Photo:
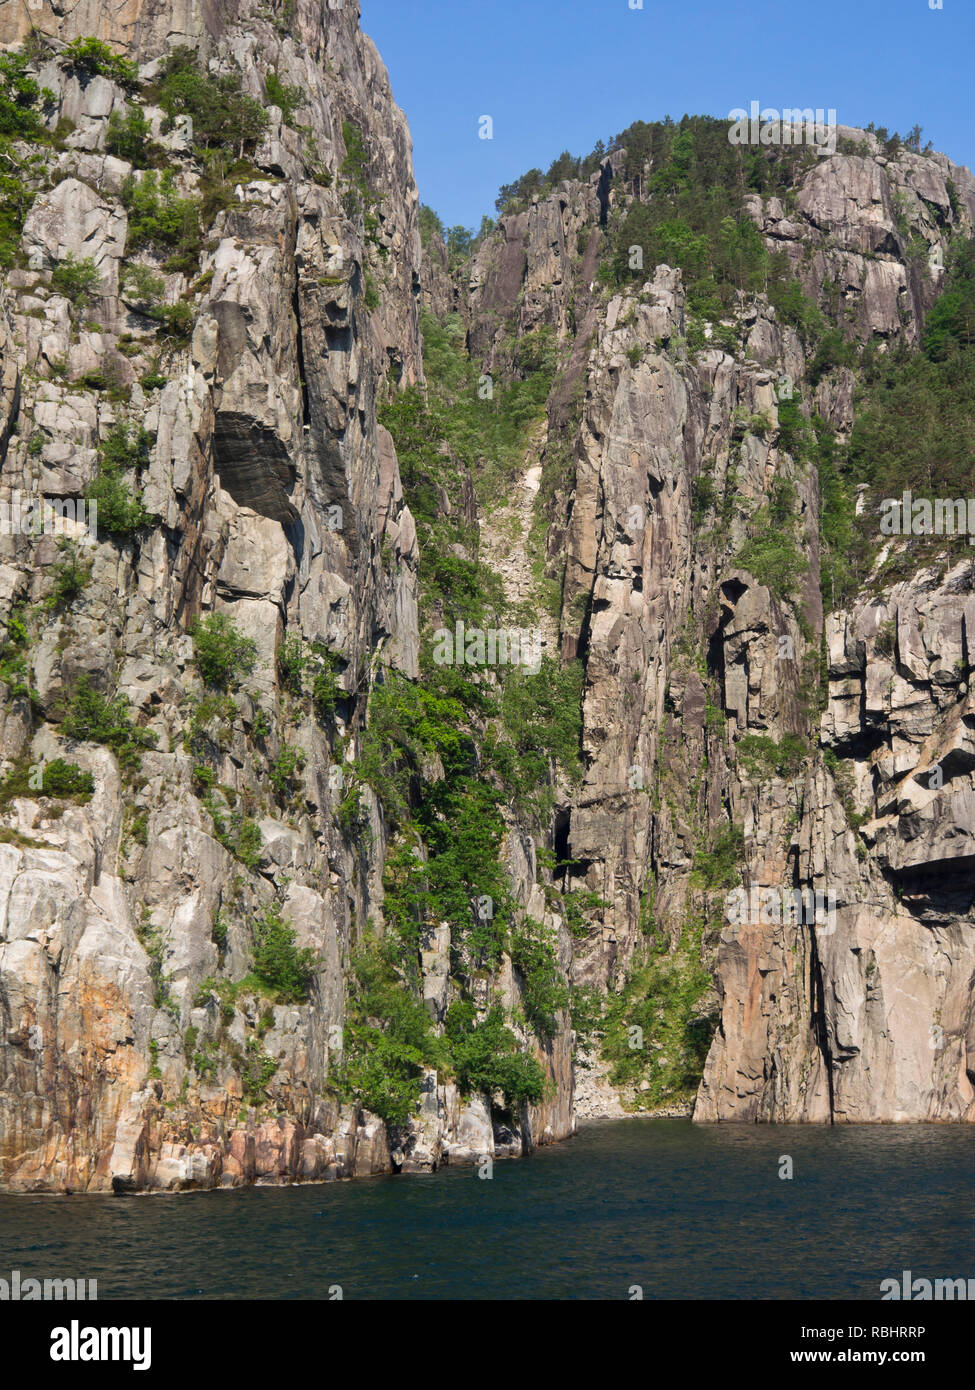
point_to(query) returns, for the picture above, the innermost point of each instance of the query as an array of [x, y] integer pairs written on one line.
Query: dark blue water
[[683, 1212]]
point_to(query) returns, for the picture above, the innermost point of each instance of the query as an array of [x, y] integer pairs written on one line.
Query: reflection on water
[[681, 1211]]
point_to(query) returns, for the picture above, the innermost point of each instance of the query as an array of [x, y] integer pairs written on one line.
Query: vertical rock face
[[132, 1053], [866, 1014], [273, 499]]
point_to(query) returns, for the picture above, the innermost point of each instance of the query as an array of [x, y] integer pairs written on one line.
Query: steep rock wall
[[274, 499]]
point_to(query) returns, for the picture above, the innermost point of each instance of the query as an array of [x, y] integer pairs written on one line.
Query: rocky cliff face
[[866, 1015], [274, 499], [133, 1053]]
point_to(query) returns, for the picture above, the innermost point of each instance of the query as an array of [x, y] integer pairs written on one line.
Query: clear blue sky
[[561, 74]]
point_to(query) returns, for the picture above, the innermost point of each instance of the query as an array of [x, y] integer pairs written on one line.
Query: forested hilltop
[[441, 626]]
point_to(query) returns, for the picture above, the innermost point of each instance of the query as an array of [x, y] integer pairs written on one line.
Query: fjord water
[[680, 1210]]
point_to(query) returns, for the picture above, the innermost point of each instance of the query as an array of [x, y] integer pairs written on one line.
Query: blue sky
[[560, 74]]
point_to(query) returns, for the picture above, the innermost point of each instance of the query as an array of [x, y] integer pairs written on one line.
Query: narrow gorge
[[301, 880]]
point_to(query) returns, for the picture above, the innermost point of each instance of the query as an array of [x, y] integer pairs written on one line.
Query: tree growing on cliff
[[91, 57], [222, 113], [282, 966], [224, 656]]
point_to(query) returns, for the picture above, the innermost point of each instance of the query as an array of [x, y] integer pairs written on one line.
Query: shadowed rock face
[[254, 467]]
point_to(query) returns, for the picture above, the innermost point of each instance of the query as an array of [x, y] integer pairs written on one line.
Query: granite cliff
[[285, 897]]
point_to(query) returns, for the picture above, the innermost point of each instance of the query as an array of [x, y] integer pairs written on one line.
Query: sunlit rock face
[[867, 1016], [275, 499]]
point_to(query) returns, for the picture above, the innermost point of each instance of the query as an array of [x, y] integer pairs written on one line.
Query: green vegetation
[[284, 771], [71, 574], [541, 728], [142, 285], [774, 560], [360, 198], [657, 1030], [128, 135], [91, 57], [224, 657], [21, 100], [63, 781], [430, 225], [239, 835], [844, 781], [67, 780], [292, 662], [77, 280], [282, 967], [460, 242], [90, 717], [355, 165], [135, 826], [457, 818], [14, 666], [227, 123], [389, 1036], [218, 932], [485, 1056], [833, 350], [120, 510], [913, 427], [544, 992], [224, 116], [160, 219], [577, 904], [211, 725], [690, 213], [762, 758], [771, 554], [279, 94], [513, 197], [20, 97], [950, 325], [390, 1039], [408, 725], [446, 753], [257, 1070], [718, 867], [487, 433]]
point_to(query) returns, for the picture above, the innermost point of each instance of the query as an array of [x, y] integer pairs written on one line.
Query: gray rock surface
[[276, 499]]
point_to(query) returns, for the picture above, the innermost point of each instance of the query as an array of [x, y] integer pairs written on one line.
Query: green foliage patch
[[91, 57], [224, 656], [58, 779], [282, 967], [91, 717]]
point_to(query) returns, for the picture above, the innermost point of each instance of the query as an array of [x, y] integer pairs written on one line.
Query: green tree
[[20, 96], [486, 1057], [91, 717], [223, 655], [223, 114], [77, 280], [159, 217], [90, 56], [128, 135], [282, 967], [289, 99]]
